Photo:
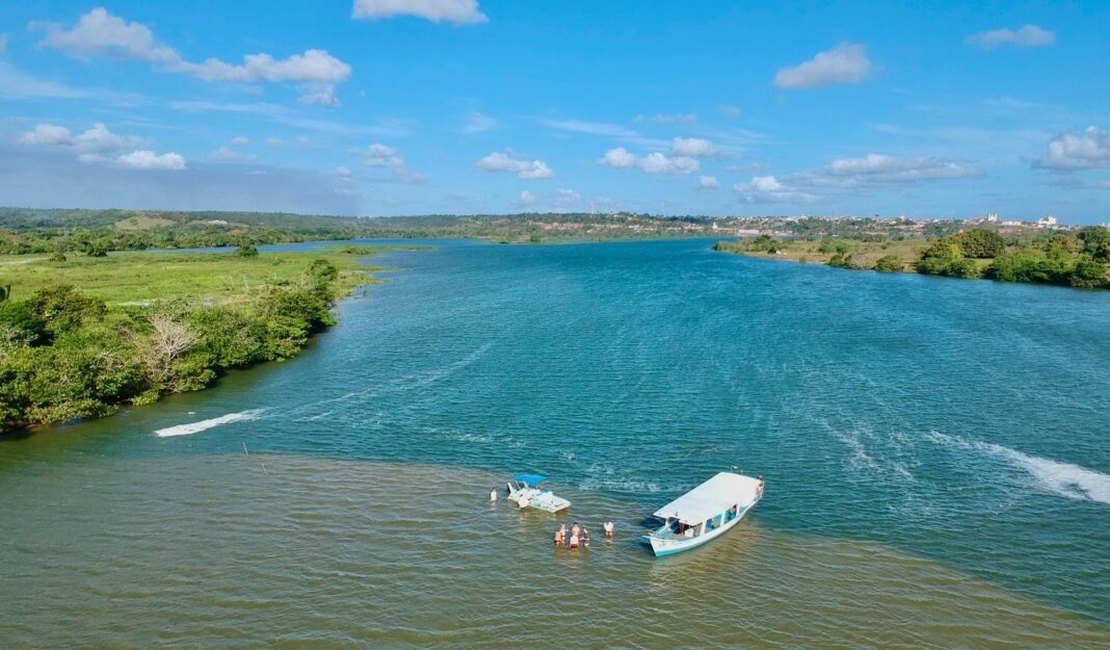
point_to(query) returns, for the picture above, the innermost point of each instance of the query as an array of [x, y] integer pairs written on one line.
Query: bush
[[1089, 274], [981, 243], [246, 250], [844, 260], [889, 264]]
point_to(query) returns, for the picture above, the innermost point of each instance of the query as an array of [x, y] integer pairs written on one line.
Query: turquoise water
[[935, 450]]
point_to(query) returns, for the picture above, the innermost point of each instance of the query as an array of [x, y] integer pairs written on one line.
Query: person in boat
[[759, 487], [608, 528]]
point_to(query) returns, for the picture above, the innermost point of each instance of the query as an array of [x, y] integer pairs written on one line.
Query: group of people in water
[[579, 535]]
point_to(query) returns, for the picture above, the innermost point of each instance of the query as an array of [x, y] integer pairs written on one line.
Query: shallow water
[[938, 473]]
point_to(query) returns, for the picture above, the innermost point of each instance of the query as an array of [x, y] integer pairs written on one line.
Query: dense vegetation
[[1077, 260], [67, 353], [1072, 258], [98, 232]]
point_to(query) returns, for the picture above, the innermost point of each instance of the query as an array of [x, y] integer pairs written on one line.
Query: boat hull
[[670, 545]]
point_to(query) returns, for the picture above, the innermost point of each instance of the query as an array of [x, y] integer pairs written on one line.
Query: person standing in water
[[608, 527], [493, 495]]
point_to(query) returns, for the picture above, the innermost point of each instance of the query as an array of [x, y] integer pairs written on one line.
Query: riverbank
[[865, 254], [85, 337], [1080, 259]]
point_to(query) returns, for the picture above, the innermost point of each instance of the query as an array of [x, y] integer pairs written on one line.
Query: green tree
[[64, 308], [889, 264], [1089, 274], [981, 243], [246, 250]]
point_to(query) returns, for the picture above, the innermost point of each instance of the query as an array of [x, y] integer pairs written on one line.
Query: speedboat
[[524, 491], [704, 513]]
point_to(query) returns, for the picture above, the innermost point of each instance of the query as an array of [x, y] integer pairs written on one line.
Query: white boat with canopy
[[704, 513], [524, 491]]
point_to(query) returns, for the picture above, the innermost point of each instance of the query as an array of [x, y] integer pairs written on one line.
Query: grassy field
[[865, 254], [139, 278]]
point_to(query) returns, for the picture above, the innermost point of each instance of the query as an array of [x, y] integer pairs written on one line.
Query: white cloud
[[379, 155], [1024, 36], [99, 138], [240, 141], [527, 198], [655, 162], [658, 163], [299, 142], [879, 168], [143, 159], [662, 118], [478, 123], [230, 155], [100, 34], [46, 135], [452, 11], [566, 198], [407, 176], [845, 64], [312, 66], [96, 139], [692, 147], [730, 111], [1069, 151], [539, 169], [341, 172], [619, 157], [506, 162], [323, 95], [768, 189], [590, 128], [708, 182]]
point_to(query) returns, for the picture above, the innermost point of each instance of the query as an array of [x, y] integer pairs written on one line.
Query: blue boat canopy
[[530, 479]]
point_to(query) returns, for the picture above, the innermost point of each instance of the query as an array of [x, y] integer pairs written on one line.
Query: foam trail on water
[[1063, 479], [196, 427]]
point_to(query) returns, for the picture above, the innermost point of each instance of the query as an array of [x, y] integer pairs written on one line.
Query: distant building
[[1046, 222]]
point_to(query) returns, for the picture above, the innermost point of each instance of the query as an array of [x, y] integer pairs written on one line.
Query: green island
[[1075, 257], [82, 336]]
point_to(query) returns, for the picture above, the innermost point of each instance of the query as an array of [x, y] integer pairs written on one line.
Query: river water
[[936, 454]]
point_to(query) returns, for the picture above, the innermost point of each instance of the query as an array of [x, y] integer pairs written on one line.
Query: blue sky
[[387, 107]]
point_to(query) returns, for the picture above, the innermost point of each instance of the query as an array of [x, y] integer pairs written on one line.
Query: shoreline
[[150, 326]]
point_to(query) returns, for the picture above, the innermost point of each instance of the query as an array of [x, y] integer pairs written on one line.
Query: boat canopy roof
[[530, 479], [711, 498]]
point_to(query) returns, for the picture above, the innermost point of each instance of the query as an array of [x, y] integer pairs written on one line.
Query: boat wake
[[197, 427], [1062, 479]]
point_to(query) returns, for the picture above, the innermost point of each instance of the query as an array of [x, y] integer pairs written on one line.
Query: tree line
[[1077, 260]]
